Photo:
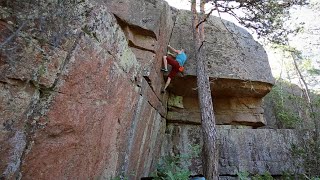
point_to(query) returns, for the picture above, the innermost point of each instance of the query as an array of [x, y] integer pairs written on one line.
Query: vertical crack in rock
[[174, 24], [67, 60], [41, 101]]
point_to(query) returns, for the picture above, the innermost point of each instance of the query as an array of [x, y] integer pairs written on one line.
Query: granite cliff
[[88, 105]]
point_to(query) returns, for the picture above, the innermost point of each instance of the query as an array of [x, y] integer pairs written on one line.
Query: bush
[[286, 107], [176, 167]]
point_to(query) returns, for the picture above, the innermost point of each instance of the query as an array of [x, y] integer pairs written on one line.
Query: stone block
[[253, 150]]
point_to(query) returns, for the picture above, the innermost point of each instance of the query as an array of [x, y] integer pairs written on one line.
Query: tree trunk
[[315, 120], [206, 107]]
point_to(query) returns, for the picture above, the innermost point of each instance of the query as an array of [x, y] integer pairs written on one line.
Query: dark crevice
[[174, 24], [183, 122], [14, 81], [150, 85], [228, 175], [148, 81], [114, 56], [45, 92], [67, 60], [156, 109], [134, 28], [131, 44], [254, 125]]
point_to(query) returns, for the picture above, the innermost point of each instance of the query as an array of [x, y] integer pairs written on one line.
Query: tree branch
[[205, 19]]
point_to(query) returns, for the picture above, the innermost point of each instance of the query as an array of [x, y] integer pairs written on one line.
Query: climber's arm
[[174, 50]]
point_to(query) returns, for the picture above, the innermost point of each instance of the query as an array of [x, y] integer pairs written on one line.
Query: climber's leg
[[165, 63], [167, 84]]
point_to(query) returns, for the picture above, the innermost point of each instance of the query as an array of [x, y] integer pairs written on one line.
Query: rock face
[[84, 102], [96, 111], [254, 151]]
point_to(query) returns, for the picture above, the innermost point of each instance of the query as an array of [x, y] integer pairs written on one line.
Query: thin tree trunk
[[307, 93], [206, 106], [202, 15], [315, 120]]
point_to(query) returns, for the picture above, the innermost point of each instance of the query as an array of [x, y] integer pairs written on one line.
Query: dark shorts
[[175, 66]]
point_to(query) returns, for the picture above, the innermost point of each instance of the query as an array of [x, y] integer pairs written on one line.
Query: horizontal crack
[[183, 122], [131, 44]]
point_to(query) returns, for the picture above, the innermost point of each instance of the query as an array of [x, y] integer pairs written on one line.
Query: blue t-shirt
[[181, 58]]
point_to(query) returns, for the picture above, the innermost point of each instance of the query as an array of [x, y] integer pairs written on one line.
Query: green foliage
[[287, 118], [265, 176], [313, 71], [317, 101], [176, 167], [243, 175], [195, 151], [265, 17], [288, 176], [297, 151], [306, 154], [292, 108], [120, 178], [282, 99], [292, 176], [170, 168]]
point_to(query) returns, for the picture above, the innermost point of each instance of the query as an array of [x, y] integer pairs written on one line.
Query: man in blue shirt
[[177, 64]]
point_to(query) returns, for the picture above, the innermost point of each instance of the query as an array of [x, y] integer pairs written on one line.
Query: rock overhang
[[220, 87]]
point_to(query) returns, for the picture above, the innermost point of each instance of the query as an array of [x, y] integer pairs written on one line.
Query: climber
[[177, 64]]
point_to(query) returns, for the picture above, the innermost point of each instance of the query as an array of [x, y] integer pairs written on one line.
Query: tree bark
[[209, 160]]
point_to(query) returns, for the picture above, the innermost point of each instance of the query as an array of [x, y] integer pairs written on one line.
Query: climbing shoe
[[164, 70], [163, 90]]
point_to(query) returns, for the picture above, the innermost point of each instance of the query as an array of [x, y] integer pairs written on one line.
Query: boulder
[[230, 52], [238, 68]]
